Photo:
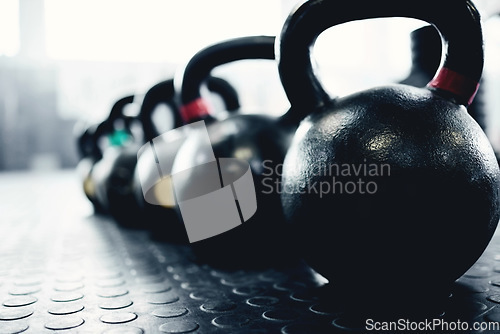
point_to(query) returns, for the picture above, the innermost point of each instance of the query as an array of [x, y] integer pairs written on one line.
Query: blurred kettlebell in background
[[113, 173], [256, 138], [159, 208], [89, 144], [395, 186], [89, 153], [161, 93]]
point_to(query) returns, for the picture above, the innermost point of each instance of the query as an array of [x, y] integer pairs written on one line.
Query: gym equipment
[[399, 172], [258, 139], [157, 204]]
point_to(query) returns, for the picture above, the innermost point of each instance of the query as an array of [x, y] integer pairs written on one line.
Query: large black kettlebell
[[393, 192], [158, 211], [259, 139]]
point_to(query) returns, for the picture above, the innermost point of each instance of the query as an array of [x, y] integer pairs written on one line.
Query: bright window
[[9, 27], [151, 30]]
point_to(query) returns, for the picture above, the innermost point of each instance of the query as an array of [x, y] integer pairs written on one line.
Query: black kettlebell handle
[[87, 147], [203, 62], [164, 92], [101, 130], [107, 126], [118, 107], [225, 90], [458, 22]]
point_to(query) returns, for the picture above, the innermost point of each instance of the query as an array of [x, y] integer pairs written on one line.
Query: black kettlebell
[[89, 153], [392, 192], [91, 144], [259, 139], [159, 211], [112, 174], [426, 56]]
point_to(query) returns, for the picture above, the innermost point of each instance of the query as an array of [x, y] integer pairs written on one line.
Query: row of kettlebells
[[112, 180], [433, 204]]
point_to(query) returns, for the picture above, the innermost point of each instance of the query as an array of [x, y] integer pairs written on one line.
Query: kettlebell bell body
[[396, 186], [116, 169]]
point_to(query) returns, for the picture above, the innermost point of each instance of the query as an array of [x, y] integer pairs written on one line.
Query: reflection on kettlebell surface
[[164, 192]]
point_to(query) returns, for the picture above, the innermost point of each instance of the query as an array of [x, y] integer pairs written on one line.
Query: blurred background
[[64, 62]]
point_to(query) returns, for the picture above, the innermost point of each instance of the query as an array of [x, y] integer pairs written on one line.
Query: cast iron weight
[[89, 153], [89, 146], [260, 139], [162, 220], [112, 174], [434, 211]]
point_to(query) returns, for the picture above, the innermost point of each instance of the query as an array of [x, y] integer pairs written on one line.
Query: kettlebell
[[163, 221], [392, 192], [426, 56], [112, 174], [89, 153], [256, 138], [90, 144]]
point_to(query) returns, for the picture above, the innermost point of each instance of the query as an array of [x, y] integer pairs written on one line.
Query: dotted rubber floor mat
[[64, 270]]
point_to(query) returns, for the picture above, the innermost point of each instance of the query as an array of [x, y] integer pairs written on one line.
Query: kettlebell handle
[[87, 147], [197, 70], [117, 109], [225, 90], [458, 22], [163, 92], [107, 126]]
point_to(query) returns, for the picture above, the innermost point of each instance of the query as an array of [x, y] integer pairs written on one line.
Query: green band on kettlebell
[[119, 137]]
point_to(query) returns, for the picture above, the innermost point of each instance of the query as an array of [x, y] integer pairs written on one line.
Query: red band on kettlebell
[[195, 109], [455, 83]]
